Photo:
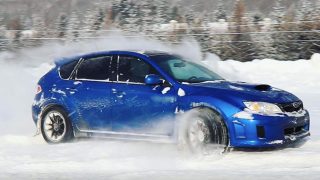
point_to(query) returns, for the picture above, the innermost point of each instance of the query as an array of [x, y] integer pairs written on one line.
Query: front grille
[[293, 130], [291, 107]]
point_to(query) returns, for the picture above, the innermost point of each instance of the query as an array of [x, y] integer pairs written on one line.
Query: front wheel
[[56, 126], [205, 132]]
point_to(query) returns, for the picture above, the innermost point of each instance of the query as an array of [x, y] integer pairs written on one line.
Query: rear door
[[137, 107], [91, 93]]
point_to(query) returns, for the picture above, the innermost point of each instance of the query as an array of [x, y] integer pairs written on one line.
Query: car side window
[[95, 68], [66, 69], [132, 69]]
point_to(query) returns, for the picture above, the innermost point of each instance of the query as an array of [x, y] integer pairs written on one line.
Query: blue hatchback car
[[161, 96]]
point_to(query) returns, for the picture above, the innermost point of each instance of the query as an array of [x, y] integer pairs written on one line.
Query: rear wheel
[[205, 132], [56, 126]]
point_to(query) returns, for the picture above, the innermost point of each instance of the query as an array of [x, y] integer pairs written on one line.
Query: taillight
[[39, 89]]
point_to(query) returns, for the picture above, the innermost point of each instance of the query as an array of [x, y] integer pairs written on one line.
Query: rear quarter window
[[96, 68], [66, 69]]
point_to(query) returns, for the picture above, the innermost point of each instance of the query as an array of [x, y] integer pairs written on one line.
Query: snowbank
[[294, 76]]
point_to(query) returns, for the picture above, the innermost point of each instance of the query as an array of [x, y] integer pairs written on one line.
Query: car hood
[[244, 91]]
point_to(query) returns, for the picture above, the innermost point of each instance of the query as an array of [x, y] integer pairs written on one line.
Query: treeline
[[287, 33]]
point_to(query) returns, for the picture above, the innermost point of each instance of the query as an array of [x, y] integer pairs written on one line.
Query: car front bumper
[[269, 131]]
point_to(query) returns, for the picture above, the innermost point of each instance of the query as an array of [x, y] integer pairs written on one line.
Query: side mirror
[[153, 79]]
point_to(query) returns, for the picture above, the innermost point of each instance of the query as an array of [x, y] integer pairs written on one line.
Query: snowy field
[[23, 156]]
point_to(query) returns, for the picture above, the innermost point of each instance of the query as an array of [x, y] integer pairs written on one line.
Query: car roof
[[65, 60]]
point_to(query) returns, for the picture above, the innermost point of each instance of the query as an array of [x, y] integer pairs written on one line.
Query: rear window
[[66, 69]]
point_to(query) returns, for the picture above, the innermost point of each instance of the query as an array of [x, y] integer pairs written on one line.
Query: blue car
[[158, 96]]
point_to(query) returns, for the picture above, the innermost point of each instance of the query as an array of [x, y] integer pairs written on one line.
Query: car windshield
[[185, 71]]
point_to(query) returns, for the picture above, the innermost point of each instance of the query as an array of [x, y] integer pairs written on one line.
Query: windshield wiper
[[213, 81], [205, 81]]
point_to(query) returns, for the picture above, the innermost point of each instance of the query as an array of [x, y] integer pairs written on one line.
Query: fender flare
[[215, 110]]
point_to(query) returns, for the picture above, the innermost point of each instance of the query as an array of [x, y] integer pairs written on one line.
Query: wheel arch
[[47, 107], [216, 111], [223, 108]]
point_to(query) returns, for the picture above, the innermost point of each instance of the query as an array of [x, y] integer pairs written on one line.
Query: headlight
[[263, 108]]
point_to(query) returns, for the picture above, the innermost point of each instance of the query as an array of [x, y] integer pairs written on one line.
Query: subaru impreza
[[159, 96]]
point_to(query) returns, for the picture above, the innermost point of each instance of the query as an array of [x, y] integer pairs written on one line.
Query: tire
[[205, 132], [55, 126]]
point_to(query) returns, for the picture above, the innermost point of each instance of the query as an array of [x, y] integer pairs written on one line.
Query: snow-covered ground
[[23, 156]]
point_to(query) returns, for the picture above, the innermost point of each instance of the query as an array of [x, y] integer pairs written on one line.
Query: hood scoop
[[262, 87]]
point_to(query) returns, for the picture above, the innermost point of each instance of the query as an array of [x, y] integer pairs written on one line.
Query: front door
[[137, 107]]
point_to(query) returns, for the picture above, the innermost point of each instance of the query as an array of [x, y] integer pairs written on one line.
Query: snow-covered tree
[[87, 25], [14, 33], [97, 21], [174, 13], [307, 16], [220, 39], [278, 11], [147, 13], [99, 17], [123, 11], [220, 12], [202, 35], [26, 22], [115, 10], [243, 49], [3, 41], [61, 25], [206, 18], [264, 41], [132, 19], [315, 45], [190, 16], [38, 31], [108, 19], [73, 27], [304, 11], [38, 25], [162, 11], [285, 38]]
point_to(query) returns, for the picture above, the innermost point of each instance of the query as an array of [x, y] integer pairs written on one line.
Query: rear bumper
[[269, 131]]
